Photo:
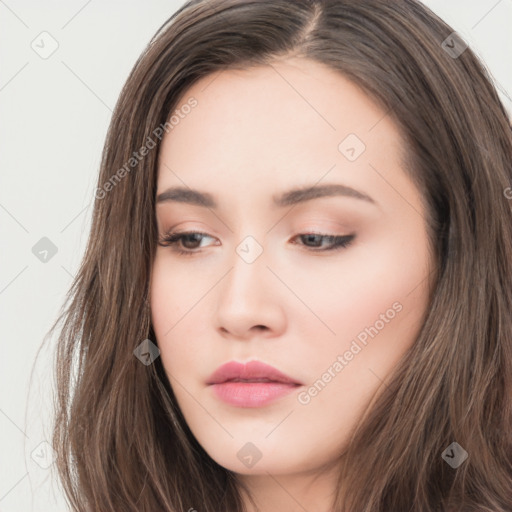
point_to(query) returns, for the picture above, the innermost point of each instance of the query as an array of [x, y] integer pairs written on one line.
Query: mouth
[[254, 384]]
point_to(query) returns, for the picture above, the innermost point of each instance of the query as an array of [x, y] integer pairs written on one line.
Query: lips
[[253, 371], [254, 384]]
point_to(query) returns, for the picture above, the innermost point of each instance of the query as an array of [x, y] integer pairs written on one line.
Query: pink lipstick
[[254, 384]]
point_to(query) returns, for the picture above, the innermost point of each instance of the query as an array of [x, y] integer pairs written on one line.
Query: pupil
[[313, 238], [191, 237]]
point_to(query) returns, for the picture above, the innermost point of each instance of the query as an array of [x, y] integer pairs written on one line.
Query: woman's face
[[260, 283]]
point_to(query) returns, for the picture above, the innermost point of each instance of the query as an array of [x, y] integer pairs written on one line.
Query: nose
[[250, 301]]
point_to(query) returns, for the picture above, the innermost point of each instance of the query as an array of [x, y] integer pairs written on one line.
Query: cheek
[[163, 303], [351, 293], [174, 294], [376, 310], [168, 302], [177, 308], [375, 301]]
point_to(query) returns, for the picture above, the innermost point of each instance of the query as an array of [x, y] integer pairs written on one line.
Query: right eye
[[187, 239]]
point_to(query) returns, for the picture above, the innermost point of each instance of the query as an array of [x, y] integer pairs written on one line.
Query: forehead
[[280, 124]]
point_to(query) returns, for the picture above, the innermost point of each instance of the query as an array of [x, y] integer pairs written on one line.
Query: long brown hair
[[121, 440]]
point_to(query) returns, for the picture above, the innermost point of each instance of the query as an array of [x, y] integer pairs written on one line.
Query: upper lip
[[251, 371]]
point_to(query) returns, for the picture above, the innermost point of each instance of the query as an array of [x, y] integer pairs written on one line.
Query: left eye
[[333, 241], [189, 240]]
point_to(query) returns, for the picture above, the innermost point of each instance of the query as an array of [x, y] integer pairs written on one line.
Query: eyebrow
[[289, 198]]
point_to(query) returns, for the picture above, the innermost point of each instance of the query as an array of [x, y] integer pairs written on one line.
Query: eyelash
[[172, 240]]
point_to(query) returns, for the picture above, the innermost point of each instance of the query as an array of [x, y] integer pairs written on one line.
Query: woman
[[296, 292]]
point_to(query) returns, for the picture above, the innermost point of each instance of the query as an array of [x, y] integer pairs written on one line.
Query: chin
[[260, 457]]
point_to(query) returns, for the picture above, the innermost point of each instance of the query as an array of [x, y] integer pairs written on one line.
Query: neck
[[300, 492]]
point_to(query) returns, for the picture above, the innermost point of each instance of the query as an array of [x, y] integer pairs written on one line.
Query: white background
[[53, 120]]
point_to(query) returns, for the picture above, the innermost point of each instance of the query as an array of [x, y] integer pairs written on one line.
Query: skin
[[254, 134]]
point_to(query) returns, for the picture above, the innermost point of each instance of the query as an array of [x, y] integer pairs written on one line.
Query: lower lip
[[252, 394]]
